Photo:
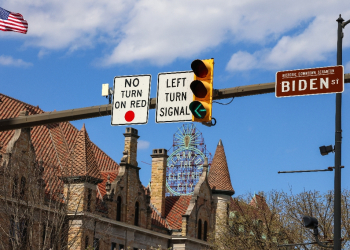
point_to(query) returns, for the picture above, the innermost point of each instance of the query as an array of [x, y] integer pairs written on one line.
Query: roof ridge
[[86, 165], [159, 214], [155, 210], [89, 148], [103, 153], [64, 138], [1, 94], [71, 151], [54, 146]]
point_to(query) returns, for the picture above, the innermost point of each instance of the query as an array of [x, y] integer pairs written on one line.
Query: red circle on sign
[[129, 116]]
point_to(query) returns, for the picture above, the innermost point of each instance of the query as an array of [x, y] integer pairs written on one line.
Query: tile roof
[[219, 176], [255, 209], [258, 201], [102, 185], [157, 219], [175, 207], [52, 143], [81, 160]]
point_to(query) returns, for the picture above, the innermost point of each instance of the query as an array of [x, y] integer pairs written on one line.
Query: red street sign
[[314, 81]]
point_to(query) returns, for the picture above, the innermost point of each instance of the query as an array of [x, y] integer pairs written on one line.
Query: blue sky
[[72, 48]]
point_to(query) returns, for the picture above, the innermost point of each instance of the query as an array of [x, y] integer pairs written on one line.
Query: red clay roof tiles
[[157, 220], [52, 143], [81, 160], [102, 185], [175, 207], [219, 176], [61, 143]]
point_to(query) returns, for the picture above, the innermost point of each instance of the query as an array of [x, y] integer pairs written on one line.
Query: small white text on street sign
[[324, 80]]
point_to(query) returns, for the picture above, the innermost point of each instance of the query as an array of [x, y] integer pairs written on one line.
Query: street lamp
[[312, 223]]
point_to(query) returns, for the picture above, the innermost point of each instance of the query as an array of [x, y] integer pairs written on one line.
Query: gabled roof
[[255, 209], [81, 160], [258, 201], [219, 176], [102, 186], [157, 219], [175, 207], [52, 143]]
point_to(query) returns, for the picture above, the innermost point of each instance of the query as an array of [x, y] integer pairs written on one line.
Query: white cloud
[[42, 53], [347, 68], [241, 61], [9, 61], [143, 144], [160, 31], [316, 43]]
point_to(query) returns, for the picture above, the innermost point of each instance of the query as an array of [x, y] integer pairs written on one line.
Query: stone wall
[[128, 186], [220, 211], [158, 181], [131, 136], [200, 208], [77, 195]]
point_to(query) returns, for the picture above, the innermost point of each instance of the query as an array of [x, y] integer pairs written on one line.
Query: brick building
[[107, 205]]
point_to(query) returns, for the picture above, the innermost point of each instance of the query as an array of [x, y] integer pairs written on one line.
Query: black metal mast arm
[[345, 23]]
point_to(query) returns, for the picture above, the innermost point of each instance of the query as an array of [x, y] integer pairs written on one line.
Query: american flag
[[10, 21]]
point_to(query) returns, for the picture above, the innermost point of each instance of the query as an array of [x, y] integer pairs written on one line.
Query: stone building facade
[[107, 205]]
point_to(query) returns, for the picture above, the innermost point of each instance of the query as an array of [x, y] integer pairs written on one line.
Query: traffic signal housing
[[310, 222], [202, 89]]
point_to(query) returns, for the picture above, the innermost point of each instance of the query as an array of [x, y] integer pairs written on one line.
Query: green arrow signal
[[198, 109], [201, 110]]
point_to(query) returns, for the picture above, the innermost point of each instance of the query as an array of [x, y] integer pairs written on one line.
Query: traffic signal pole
[[105, 110], [338, 141], [337, 153]]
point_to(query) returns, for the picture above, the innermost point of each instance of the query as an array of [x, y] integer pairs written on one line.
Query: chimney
[[158, 181], [131, 145]]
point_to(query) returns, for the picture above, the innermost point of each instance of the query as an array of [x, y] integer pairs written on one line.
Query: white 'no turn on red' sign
[[131, 99]]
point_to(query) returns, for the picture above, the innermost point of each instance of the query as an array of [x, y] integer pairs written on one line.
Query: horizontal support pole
[[104, 110], [306, 171], [303, 244]]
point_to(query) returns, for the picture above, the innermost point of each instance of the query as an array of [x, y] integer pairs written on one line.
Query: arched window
[[199, 229], [15, 187], [23, 187], [137, 208], [205, 231], [119, 208]]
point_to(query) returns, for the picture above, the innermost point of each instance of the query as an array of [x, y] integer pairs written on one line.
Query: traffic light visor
[[198, 89], [199, 68]]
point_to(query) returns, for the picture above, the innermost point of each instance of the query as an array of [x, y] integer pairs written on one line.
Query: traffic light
[[202, 89], [310, 222]]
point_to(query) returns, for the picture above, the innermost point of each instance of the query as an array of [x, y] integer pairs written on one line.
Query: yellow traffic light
[[202, 88]]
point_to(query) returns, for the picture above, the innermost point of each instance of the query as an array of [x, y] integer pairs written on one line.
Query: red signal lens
[[198, 89], [199, 68]]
